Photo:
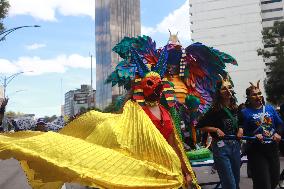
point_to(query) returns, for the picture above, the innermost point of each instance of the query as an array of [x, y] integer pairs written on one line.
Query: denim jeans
[[227, 159]]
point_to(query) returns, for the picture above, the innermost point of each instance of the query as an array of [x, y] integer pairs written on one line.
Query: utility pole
[[92, 73], [7, 80], [91, 94]]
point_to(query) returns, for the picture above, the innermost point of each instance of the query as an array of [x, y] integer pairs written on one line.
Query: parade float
[[192, 72]]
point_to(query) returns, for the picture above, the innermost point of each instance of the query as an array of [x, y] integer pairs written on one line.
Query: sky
[[55, 57]]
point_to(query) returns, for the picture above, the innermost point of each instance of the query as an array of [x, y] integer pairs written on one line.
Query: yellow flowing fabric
[[99, 150]]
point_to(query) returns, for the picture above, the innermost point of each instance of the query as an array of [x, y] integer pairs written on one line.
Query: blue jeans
[[227, 159]]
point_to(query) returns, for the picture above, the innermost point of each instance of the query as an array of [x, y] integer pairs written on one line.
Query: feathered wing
[[131, 50], [98, 150], [123, 74], [161, 65], [203, 66]]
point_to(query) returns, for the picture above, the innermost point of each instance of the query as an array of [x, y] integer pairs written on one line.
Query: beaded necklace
[[234, 120]]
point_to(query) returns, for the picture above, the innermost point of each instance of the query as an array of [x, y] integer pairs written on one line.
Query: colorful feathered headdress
[[150, 83], [143, 68]]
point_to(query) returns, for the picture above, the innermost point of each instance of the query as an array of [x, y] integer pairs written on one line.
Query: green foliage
[[13, 114], [49, 119], [273, 54], [4, 7], [111, 108], [83, 110], [94, 108]]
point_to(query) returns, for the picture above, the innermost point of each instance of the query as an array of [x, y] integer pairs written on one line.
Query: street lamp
[[7, 80], [13, 93], [92, 93], [7, 32]]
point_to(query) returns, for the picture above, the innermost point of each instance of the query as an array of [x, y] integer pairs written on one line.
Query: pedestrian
[[261, 121], [221, 120], [281, 146], [152, 91], [3, 105], [40, 125]]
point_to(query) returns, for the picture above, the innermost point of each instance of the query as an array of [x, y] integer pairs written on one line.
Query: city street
[[204, 176], [12, 176]]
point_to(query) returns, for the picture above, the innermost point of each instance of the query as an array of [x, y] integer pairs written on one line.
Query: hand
[[276, 137], [220, 133], [259, 137], [266, 133], [187, 180], [240, 133]]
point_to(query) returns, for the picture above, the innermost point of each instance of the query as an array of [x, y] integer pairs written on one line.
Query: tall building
[[114, 20], [78, 100], [235, 27]]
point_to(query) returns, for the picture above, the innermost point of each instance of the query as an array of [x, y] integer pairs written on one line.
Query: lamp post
[[7, 32], [90, 103], [15, 92], [7, 80]]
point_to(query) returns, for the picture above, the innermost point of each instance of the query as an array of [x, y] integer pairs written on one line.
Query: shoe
[[281, 184]]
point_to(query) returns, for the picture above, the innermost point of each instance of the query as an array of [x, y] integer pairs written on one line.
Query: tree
[[273, 55], [111, 108], [82, 110], [14, 114], [49, 119], [4, 7]]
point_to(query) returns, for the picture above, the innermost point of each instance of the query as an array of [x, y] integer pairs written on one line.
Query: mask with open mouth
[[149, 84], [254, 94], [226, 86]]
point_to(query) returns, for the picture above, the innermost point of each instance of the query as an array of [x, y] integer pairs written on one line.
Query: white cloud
[[40, 66], [176, 21], [46, 9], [7, 67], [148, 30], [35, 46]]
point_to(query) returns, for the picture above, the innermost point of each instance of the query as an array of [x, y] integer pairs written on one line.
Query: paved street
[[12, 176], [204, 176]]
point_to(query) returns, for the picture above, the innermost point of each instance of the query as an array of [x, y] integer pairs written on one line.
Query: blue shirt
[[252, 124]]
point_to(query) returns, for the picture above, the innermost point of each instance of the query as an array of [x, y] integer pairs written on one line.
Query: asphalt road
[[204, 175], [13, 177]]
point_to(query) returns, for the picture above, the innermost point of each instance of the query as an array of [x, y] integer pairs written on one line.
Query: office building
[[114, 20], [78, 100], [235, 27]]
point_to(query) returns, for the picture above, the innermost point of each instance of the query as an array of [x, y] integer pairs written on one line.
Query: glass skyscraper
[[114, 20]]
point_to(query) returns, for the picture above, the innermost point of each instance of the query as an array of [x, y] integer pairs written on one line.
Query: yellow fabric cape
[[99, 150]]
